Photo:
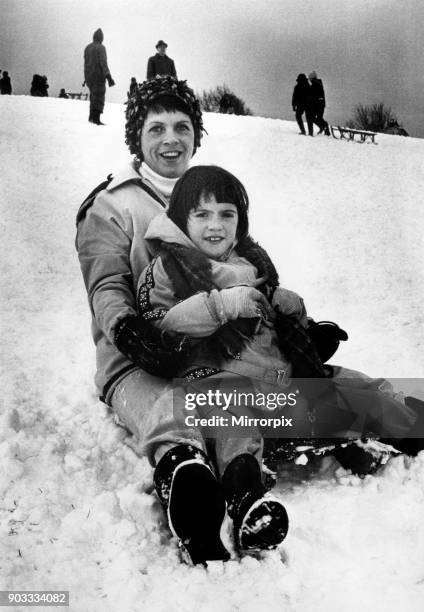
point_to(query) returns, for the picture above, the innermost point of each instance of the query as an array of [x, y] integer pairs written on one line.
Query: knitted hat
[[312, 75], [149, 92], [98, 35], [161, 43]]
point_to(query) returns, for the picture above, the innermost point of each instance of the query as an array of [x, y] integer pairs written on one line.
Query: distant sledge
[[352, 134]]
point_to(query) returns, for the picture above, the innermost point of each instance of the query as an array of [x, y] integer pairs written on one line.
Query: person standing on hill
[[302, 103], [160, 64], [318, 98], [96, 73], [5, 84]]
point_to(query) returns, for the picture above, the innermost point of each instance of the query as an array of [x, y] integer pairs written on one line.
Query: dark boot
[[96, 117], [90, 117], [194, 502], [411, 446], [260, 521]]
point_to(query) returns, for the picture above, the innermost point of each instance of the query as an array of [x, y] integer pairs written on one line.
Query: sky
[[365, 51]]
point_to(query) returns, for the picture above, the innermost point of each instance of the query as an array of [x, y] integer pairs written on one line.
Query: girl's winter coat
[[202, 314]]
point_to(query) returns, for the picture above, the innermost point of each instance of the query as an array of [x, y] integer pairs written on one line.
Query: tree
[[222, 100], [374, 117]]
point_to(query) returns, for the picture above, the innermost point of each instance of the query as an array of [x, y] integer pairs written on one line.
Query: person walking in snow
[[96, 73], [302, 102], [5, 84], [160, 64], [318, 102]]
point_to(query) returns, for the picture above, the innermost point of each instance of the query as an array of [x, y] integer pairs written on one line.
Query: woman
[[163, 130]]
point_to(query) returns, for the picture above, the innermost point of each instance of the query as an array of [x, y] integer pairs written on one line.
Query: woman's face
[[212, 226], [167, 142]]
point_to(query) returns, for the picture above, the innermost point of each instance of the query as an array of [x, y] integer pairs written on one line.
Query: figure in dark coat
[[318, 97], [302, 103], [63, 94], [133, 86], [96, 73], [5, 84], [39, 86], [160, 64]]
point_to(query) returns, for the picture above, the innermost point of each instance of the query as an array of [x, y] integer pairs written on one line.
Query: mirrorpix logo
[[234, 405]]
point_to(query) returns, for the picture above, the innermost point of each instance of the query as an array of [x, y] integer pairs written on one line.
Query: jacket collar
[[128, 174]]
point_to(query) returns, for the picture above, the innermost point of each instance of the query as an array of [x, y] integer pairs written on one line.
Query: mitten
[[110, 81], [244, 302], [326, 337], [159, 352]]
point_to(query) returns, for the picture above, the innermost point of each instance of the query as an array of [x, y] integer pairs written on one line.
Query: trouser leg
[[310, 122], [146, 406], [299, 120]]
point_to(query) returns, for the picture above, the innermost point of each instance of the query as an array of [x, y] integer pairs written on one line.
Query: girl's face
[[212, 226], [167, 142]]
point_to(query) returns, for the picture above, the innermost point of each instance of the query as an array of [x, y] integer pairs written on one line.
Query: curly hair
[[161, 93]]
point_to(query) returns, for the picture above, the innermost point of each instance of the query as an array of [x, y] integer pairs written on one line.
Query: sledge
[[78, 96], [347, 133], [360, 456]]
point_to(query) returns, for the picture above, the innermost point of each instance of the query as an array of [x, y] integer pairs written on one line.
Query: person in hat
[[318, 102], [96, 73], [160, 64]]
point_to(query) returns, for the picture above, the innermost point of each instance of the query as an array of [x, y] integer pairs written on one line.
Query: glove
[[110, 81], [326, 337], [159, 352], [244, 302], [83, 85], [288, 302]]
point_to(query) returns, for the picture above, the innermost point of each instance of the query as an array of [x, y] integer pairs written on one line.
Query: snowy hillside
[[344, 222]]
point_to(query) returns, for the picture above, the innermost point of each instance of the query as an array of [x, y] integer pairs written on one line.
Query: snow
[[344, 223]]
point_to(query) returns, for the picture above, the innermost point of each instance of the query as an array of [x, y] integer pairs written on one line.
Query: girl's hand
[[245, 302]]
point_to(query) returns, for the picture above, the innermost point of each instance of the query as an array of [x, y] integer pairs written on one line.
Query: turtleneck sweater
[[163, 184]]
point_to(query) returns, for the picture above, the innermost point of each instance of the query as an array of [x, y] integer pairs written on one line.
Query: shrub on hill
[[374, 117], [222, 100]]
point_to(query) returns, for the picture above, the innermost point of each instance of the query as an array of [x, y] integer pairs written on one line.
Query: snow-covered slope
[[343, 221]]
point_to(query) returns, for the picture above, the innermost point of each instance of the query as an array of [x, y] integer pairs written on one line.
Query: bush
[[374, 117], [223, 100]]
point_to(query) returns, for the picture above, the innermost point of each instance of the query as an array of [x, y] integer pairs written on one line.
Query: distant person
[[63, 94], [395, 129], [96, 73], [160, 64], [302, 102], [5, 84], [133, 86], [318, 97], [39, 86]]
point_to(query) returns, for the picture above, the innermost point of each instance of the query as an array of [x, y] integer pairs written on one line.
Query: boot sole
[[264, 526], [196, 511]]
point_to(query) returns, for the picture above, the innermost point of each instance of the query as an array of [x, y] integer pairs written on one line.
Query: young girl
[[211, 282]]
